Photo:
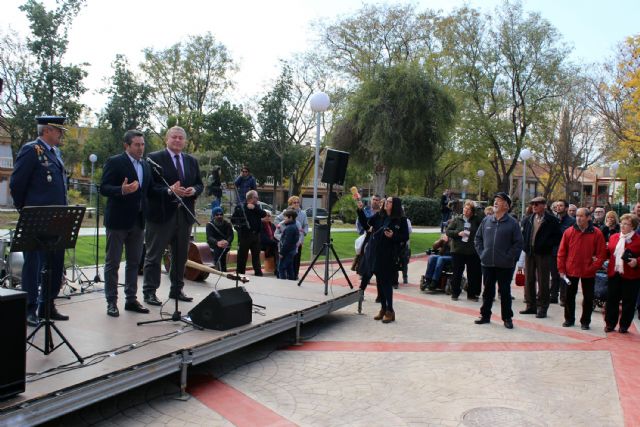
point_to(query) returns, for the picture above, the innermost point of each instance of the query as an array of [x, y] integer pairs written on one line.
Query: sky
[[259, 33]]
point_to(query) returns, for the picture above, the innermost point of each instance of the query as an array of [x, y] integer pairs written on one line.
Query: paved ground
[[432, 367]]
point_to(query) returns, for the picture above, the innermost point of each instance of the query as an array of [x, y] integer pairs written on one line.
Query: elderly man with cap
[[541, 232], [498, 241], [39, 179]]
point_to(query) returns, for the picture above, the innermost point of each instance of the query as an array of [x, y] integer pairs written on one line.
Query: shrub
[[345, 209], [422, 211]]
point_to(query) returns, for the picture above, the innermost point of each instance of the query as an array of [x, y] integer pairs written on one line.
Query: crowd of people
[[555, 247]]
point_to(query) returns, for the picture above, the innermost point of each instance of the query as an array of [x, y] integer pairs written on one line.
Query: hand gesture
[[633, 262], [128, 187]]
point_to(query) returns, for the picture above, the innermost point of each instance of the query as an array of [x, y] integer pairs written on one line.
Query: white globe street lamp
[[637, 186], [93, 159], [614, 168], [480, 174], [524, 155], [319, 103]]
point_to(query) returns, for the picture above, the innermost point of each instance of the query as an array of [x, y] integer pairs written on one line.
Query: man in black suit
[[168, 222], [125, 181]]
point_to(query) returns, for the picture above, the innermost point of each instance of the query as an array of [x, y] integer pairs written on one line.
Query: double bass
[[199, 253]]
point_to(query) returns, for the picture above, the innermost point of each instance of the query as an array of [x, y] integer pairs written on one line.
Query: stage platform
[[120, 355]]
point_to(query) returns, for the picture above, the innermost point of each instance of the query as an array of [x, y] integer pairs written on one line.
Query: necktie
[[179, 168]]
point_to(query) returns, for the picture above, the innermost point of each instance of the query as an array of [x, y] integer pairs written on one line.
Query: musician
[[219, 238], [168, 222], [39, 179], [126, 179]]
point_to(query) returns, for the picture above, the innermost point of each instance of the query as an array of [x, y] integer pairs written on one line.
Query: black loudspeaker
[[335, 167], [13, 318], [223, 309]]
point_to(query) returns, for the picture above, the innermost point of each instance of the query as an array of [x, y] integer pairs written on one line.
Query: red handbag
[[519, 279]]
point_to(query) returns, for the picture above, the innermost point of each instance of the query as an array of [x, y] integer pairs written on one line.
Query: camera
[[627, 255]]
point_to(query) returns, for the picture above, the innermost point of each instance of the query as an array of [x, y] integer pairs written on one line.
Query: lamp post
[[480, 175], [614, 168], [637, 187], [465, 182], [524, 155], [319, 103], [93, 159]]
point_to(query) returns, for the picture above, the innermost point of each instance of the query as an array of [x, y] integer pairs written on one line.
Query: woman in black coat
[[388, 230]]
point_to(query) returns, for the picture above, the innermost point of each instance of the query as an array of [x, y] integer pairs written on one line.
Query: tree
[[398, 118], [130, 103], [37, 80], [509, 74], [187, 80]]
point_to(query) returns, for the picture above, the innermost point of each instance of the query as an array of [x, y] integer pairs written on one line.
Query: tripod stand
[[176, 316], [327, 250], [49, 229]]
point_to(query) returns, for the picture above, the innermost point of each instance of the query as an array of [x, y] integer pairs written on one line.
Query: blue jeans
[[285, 267], [435, 265]]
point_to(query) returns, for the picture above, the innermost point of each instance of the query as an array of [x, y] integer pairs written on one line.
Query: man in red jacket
[[581, 254]]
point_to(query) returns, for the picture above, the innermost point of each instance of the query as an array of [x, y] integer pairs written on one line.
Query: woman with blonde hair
[[611, 225]]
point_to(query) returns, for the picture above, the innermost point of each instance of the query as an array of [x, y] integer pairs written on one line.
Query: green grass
[[342, 242]]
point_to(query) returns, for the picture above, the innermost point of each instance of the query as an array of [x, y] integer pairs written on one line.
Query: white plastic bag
[[359, 243]]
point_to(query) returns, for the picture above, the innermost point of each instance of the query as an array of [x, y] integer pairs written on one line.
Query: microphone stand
[[176, 316]]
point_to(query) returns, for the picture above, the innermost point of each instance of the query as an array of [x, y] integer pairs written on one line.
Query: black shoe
[[472, 298], [623, 330], [395, 286], [152, 299], [609, 329], [112, 309], [508, 324], [584, 327], [553, 301], [135, 306], [56, 315], [541, 315], [32, 320], [424, 283], [405, 280], [529, 311], [482, 320], [454, 298], [567, 324], [180, 296], [378, 299]]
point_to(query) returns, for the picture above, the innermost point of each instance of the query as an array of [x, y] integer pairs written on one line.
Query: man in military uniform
[[39, 179]]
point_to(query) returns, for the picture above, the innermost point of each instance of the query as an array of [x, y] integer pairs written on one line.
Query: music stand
[[326, 247], [48, 229]]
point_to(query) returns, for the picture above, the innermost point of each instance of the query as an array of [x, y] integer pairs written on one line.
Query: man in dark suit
[[39, 179], [168, 222], [125, 181]]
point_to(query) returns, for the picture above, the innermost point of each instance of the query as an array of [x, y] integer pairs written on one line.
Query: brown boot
[[389, 317], [379, 316]]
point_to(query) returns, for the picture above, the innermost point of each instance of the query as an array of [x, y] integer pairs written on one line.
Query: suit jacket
[[38, 177], [162, 206], [122, 211], [548, 236]]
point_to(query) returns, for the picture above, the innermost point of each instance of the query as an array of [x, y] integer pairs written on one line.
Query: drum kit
[[10, 262]]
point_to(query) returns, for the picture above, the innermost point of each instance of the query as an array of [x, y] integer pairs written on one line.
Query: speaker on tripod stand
[[333, 172]]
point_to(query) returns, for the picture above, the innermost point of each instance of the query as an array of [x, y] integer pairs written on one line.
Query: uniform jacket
[[634, 247], [162, 206], [38, 177], [578, 250], [548, 236], [499, 242], [122, 210]]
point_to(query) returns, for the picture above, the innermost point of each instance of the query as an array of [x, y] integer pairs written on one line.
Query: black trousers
[[220, 257], [249, 242], [558, 286], [474, 274], [619, 289], [587, 299], [503, 277]]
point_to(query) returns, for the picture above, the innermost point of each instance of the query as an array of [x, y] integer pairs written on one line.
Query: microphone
[[226, 159], [154, 164]]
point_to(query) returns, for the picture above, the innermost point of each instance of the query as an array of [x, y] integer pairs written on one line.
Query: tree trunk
[[380, 178]]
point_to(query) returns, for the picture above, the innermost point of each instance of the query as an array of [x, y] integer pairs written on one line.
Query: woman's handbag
[[519, 278]]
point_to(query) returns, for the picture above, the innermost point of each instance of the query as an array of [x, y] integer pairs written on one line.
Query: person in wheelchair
[[439, 259]]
